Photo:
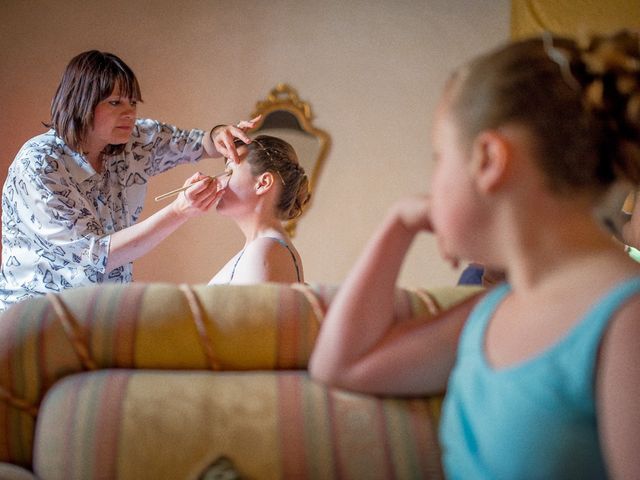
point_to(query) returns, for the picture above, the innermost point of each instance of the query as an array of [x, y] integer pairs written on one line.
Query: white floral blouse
[[58, 213]]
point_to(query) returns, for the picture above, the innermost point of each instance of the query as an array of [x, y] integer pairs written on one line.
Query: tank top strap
[[293, 257], [472, 333]]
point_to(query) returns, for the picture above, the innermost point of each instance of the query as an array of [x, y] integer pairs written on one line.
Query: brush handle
[[182, 189]]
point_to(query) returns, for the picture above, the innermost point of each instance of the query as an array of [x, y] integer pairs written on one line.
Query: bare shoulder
[[625, 326], [619, 347], [267, 259], [267, 245], [618, 389], [270, 250]]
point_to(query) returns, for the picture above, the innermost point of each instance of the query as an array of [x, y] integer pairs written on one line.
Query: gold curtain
[[572, 17]]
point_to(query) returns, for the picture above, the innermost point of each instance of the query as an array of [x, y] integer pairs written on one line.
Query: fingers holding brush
[[199, 193]]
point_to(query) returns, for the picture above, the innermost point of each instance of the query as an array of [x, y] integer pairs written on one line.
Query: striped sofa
[[164, 381]]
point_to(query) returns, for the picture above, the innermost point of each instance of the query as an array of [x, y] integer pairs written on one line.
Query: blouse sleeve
[[159, 146]]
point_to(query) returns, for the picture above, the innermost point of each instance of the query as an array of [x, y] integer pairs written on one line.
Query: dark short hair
[[89, 78]]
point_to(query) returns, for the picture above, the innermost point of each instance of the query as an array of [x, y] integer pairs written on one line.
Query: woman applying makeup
[[73, 195]]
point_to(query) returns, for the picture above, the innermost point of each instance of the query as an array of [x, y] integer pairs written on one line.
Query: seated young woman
[[266, 186]]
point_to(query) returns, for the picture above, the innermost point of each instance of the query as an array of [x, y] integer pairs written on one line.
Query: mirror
[[284, 115]]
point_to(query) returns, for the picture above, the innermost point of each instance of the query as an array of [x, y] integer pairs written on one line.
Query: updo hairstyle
[[272, 154], [581, 102]]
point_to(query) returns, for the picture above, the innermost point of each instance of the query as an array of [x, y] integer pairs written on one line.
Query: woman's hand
[[200, 197], [131, 243], [223, 137]]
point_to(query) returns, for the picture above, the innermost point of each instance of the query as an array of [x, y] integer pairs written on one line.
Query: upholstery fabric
[[13, 472], [161, 327], [128, 424]]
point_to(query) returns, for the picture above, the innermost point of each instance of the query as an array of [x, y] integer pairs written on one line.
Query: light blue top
[[533, 420]]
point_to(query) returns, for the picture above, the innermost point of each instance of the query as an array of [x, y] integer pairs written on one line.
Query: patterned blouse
[[58, 213]]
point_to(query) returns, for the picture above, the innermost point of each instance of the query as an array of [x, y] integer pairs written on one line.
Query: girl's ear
[[490, 160], [264, 182]]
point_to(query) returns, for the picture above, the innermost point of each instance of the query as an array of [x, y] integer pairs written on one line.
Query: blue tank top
[[535, 419]]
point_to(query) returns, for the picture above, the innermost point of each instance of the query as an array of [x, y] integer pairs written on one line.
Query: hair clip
[[266, 150], [561, 60]]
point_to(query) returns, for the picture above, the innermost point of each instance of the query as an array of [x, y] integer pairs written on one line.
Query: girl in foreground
[[267, 185], [542, 373]]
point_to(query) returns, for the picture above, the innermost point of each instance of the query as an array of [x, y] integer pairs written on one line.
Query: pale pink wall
[[372, 71]]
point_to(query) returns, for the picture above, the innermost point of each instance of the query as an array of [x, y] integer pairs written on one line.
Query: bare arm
[[133, 242], [360, 347], [618, 391]]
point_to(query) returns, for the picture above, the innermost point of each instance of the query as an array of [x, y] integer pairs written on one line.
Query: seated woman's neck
[[262, 228]]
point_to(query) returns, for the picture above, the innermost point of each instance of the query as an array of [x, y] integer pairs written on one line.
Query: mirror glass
[[285, 116]]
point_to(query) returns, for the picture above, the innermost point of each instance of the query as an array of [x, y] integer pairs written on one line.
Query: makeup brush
[[182, 189]]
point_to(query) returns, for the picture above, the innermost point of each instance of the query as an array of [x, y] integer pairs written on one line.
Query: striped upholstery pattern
[[161, 326], [133, 424]]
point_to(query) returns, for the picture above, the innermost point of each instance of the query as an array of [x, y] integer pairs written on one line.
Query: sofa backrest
[[166, 327]]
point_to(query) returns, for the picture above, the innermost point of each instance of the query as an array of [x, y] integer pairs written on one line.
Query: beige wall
[[371, 69]]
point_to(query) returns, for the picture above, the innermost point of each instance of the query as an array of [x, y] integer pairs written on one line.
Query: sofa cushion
[[127, 424]]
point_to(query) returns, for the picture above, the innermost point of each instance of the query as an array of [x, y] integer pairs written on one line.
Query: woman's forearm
[[209, 146], [133, 242]]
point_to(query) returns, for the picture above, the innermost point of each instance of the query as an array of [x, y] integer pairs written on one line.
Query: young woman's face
[[240, 192], [113, 120], [452, 188]]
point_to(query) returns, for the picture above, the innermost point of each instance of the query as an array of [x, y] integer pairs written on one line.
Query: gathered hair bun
[[275, 155], [608, 69], [301, 198]]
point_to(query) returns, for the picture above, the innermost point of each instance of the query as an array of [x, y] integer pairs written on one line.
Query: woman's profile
[[267, 186]]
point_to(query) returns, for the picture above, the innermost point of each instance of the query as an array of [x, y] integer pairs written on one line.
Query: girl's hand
[[414, 213], [201, 196], [223, 137]]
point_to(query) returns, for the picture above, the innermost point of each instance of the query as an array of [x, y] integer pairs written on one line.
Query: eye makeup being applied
[[226, 174]]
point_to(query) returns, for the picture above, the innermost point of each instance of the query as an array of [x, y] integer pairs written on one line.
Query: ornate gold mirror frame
[[284, 115]]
